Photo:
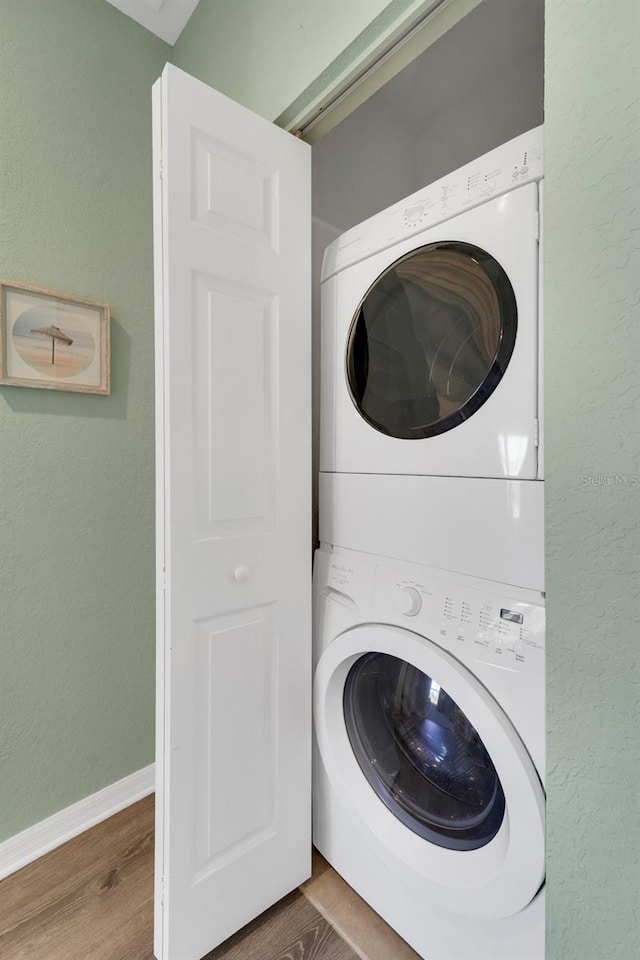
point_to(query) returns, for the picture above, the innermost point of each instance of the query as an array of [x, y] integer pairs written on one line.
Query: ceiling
[[166, 18]]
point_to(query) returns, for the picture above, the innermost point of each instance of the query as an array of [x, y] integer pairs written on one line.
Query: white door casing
[[232, 212]]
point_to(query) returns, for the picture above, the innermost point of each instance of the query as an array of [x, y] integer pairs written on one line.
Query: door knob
[[241, 573]]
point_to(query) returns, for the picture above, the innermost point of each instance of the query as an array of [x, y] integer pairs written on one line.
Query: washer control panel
[[503, 627]]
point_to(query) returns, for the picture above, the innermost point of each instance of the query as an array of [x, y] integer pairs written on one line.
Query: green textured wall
[[592, 358], [76, 471]]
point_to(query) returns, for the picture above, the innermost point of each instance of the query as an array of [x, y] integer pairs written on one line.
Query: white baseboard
[[35, 841]]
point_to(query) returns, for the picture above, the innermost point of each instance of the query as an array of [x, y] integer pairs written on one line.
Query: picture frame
[[53, 341]]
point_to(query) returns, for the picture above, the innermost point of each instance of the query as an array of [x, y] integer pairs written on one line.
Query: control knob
[[409, 601]]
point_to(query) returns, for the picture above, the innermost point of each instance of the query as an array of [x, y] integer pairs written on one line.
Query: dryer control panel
[[508, 166]]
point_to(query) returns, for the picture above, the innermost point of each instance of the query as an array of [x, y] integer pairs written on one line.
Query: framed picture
[[54, 341]]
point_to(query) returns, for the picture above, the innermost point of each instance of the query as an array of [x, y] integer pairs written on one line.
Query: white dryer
[[429, 752], [430, 347]]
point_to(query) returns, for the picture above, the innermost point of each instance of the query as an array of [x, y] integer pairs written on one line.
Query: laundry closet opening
[[476, 87]]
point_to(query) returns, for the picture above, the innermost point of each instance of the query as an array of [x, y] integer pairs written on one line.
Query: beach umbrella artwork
[[56, 334]]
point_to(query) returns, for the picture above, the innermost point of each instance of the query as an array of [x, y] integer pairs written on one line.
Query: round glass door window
[[420, 754], [431, 340]]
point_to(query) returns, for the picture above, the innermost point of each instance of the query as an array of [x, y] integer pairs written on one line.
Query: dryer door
[[431, 340], [430, 764]]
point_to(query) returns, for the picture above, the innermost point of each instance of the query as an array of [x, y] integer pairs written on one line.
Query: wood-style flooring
[[92, 899], [291, 930]]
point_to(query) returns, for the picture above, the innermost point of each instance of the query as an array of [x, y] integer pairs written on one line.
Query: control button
[[479, 635], [409, 601], [414, 213], [241, 573]]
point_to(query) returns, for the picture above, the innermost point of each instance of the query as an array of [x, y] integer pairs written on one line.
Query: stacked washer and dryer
[[429, 580]]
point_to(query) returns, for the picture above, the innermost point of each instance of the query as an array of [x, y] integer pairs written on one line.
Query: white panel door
[[232, 226]]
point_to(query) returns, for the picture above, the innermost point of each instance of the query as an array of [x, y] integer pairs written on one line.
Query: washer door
[[421, 754], [430, 765], [431, 340]]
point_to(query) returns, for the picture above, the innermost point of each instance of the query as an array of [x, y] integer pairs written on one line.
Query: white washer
[[430, 348], [429, 752]]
